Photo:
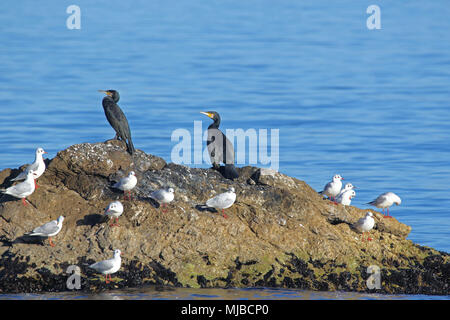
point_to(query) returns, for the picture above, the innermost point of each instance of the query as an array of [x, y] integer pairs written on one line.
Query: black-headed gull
[[23, 189], [348, 186], [114, 210], [49, 230], [332, 188], [386, 200], [163, 196], [107, 267], [223, 201], [126, 184], [365, 225], [38, 167], [346, 197]]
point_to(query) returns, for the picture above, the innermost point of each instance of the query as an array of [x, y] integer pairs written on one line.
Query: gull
[[223, 200], [114, 210], [365, 225], [49, 229], [107, 267], [23, 189], [38, 166], [348, 186], [126, 184], [345, 198], [332, 188], [163, 196], [386, 200]]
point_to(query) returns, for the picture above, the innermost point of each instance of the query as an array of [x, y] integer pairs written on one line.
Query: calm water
[[370, 105]]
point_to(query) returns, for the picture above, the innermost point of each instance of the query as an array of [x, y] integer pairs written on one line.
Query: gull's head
[[117, 253], [349, 186], [113, 206], [337, 177], [30, 173], [171, 190], [231, 189], [352, 194], [40, 151], [369, 214], [60, 219], [132, 173]]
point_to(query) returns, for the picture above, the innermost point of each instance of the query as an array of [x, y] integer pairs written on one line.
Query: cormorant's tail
[[130, 146], [229, 172]]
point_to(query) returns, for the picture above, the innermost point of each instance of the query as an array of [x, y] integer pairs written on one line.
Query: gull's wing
[[158, 195], [221, 200], [103, 265], [19, 189]]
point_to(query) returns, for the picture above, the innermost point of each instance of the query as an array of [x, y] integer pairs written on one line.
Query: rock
[[280, 232]]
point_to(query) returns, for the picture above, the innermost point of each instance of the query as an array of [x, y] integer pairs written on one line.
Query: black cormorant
[[220, 148], [116, 118]]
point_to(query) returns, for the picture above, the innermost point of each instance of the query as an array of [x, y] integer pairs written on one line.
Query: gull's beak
[[210, 115], [105, 92], [45, 152]]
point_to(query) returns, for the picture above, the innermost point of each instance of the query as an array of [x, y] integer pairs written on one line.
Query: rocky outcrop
[[279, 233]]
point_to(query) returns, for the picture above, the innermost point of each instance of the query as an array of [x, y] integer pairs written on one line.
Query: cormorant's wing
[[220, 147], [118, 121]]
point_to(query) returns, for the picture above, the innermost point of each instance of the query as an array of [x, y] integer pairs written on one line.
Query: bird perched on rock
[[365, 225], [126, 184], [223, 201], [346, 197], [23, 189], [116, 118], [38, 167], [108, 267], [114, 211], [332, 188], [385, 201], [220, 148], [348, 186], [163, 196], [48, 230]]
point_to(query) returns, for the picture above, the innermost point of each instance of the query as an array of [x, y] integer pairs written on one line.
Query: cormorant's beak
[[105, 92], [210, 115]]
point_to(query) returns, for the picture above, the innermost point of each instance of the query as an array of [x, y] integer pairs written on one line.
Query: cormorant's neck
[[108, 101], [215, 124]]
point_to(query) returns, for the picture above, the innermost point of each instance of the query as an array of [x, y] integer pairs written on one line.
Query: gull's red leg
[[223, 214]]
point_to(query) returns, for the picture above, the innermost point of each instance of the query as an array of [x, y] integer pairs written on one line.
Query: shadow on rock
[[91, 219], [153, 202], [7, 198], [203, 207], [31, 240]]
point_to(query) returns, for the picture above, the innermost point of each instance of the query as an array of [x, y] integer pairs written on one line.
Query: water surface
[[372, 106]]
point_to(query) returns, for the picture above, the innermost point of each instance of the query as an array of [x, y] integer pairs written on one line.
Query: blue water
[[371, 105]]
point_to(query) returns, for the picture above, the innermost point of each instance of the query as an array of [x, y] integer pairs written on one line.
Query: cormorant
[[116, 118], [220, 148]]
